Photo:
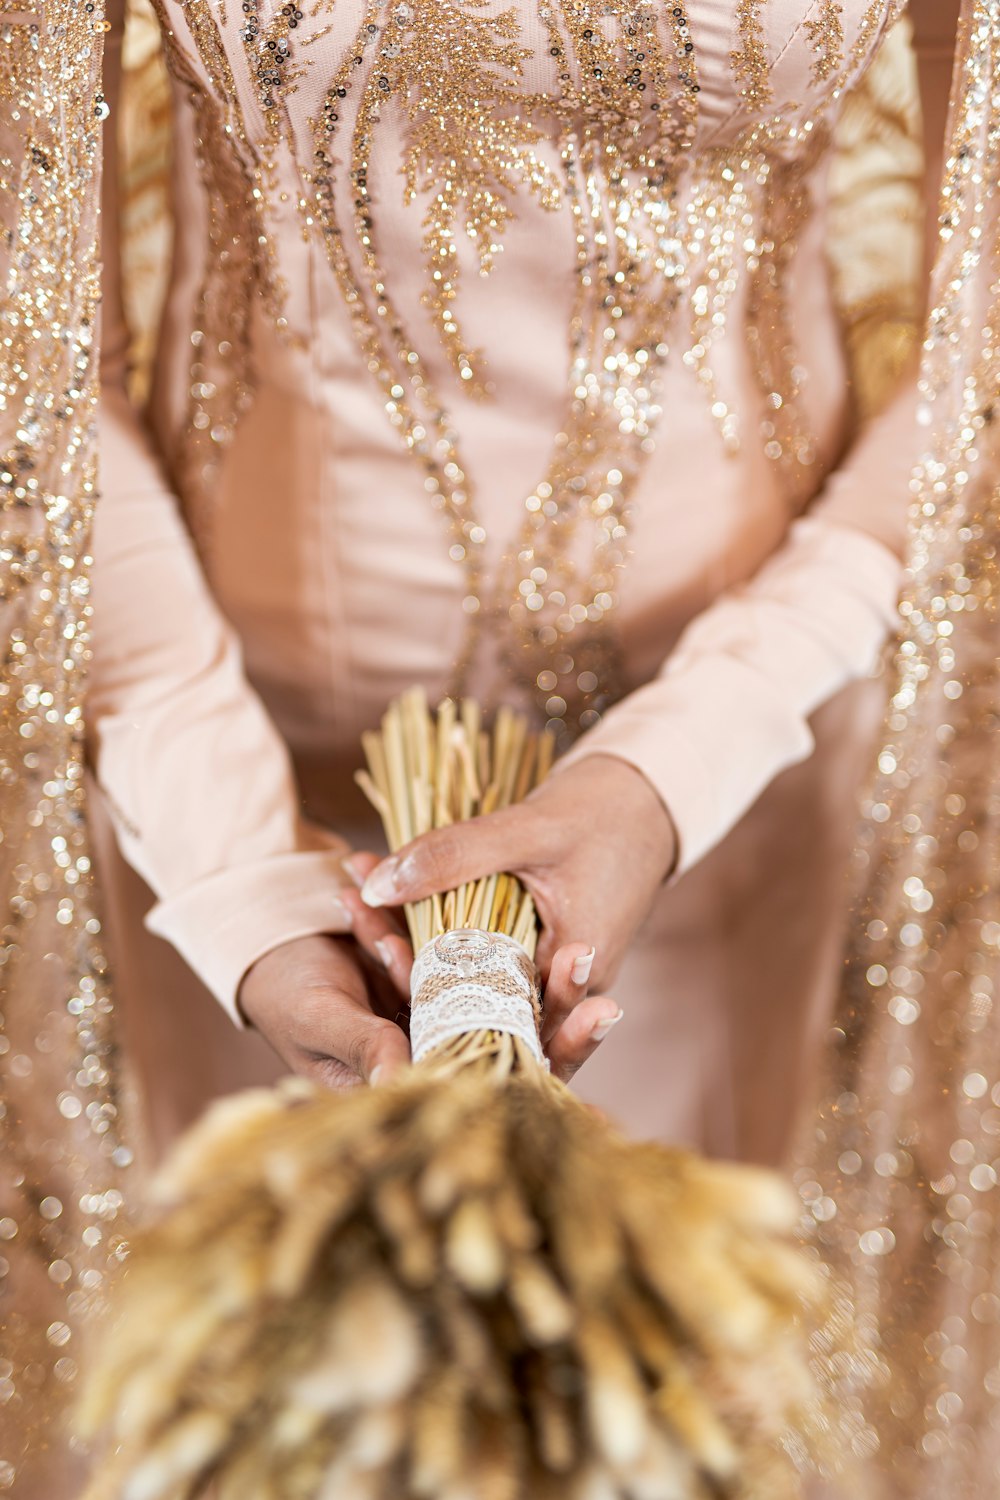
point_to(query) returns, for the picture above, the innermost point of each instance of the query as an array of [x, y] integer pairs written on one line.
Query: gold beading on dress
[[666, 233]]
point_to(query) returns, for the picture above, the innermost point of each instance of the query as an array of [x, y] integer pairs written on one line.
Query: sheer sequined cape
[[901, 1169], [927, 924], [62, 1152]]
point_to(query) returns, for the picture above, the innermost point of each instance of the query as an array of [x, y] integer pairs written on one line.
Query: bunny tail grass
[[462, 1286]]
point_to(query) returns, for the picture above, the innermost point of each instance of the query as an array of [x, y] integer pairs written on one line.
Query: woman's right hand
[[329, 1006], [326, 1012]]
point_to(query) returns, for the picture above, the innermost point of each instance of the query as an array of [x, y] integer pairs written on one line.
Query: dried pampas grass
[[463, 1286]]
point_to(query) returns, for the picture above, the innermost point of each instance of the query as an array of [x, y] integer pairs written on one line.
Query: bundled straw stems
[[426, 772], [462, 1286]]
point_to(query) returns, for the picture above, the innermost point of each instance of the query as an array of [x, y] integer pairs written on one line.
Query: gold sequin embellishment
[[665, 235], [61, 1153]]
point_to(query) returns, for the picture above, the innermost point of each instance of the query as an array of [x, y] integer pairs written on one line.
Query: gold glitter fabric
[[901, 1178], [61, 1156], [591, 110]]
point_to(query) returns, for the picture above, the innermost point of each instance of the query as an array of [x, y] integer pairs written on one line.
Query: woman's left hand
[[592, 844]]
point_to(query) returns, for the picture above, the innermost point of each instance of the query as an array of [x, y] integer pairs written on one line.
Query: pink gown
[[441, 271]]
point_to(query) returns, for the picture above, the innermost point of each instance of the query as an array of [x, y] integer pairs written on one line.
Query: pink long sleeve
[[198, 780], [730, 709]]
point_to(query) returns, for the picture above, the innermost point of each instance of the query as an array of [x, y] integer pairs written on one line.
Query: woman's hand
[[331, 1006], [592, 844], [326, 1011]]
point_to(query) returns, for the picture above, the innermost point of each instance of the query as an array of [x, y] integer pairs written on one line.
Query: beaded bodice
[[652, 159]]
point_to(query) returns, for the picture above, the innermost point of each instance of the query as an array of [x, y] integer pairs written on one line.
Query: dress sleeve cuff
[[224, 923], [730, 709]]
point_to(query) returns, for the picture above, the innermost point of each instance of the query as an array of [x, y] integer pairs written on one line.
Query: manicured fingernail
[[580, 972], [602, 1028], [354, 872], [382, 888], [376, 1074], [384, 951]]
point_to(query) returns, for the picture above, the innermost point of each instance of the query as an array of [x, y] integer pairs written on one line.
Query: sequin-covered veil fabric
[[902, 1176], [60, 1148]]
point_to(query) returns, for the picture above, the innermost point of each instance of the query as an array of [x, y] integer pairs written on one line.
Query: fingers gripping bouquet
[[465, 1285]]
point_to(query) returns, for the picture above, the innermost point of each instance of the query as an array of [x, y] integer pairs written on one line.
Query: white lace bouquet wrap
[[470, 980]]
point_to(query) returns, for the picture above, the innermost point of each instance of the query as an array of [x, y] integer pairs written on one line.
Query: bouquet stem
[[427, 772]]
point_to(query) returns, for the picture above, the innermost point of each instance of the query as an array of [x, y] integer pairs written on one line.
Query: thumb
[[358, 1045], [448, 857], [386, 1052]]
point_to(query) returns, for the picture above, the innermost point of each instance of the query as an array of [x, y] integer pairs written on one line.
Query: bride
[[500, 352]]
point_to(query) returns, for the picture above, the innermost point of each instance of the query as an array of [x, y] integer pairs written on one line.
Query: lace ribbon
[[472, 980]]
